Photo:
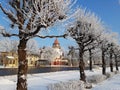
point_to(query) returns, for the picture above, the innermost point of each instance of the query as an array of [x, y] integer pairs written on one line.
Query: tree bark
[[90, 59], [82, 66], [111, 63], [72, 64], [103, 63], [116, 63], [22, 66]]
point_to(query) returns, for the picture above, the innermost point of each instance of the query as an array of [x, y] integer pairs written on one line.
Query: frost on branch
[[7, 45], [32, 15], [86, 28], [69, 85], [1, 29], [32, 47]]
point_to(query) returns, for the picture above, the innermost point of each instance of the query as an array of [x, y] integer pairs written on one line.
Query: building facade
[[52, 56], [58, 59], [10, 59]]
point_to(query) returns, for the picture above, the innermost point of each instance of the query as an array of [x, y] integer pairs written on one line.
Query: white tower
[[57, 48]]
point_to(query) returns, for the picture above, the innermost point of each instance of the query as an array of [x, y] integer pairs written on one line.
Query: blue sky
[[107, 10]]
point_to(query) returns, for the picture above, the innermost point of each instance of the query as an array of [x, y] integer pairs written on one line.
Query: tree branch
[[37, 30], [9, 15], [29, 22], [52, 36], [88, 42], [9, 35], [93, 47]]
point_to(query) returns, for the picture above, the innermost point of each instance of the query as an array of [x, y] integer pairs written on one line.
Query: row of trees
[[30, 17], [90, 34]]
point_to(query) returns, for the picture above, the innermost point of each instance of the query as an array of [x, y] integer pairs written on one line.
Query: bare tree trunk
[[90, 58], [72, 62], [111, 63], [116, 63], [82, 66], [22, 68], [103, 63]]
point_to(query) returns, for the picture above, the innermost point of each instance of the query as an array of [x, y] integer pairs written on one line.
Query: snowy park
[[60, 33], [65, 80]]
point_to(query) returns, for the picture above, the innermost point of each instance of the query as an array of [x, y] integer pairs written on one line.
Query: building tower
[[59, 54], [56, 44]]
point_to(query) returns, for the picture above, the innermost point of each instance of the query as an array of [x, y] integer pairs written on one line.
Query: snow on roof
[[10, 57]]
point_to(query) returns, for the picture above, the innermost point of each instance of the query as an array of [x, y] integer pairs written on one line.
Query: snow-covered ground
[[112, 83], [1, 66], [46, 81]]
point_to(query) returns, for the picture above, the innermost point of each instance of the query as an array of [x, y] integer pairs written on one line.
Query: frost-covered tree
[[96, 56], [7, 45], [116, 56], [106, 41], [84, 30], [113, 41], [28, 17], [32, 47], [71, 53], [103, 43], [91, 49], [48, 53]]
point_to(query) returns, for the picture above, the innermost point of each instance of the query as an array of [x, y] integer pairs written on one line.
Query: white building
[[53, 54], [59, 53]]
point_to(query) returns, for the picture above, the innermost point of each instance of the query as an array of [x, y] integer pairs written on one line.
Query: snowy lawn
[[56, 80], [109, 84]]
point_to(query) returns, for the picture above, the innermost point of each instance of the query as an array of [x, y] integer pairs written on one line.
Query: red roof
[[56, 41]]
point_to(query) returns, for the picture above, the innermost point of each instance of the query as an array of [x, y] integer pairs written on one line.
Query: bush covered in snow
[[117, 72], [96, 78], [110, 74], [80, 85], [69, 85]]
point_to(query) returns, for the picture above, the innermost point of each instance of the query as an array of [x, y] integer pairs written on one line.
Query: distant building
[[58, 59], [52, 55], [56, 44], [32, 58], [10, 59]]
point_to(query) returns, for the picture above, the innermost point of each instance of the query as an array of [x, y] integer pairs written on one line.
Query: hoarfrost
[[70, 85]]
